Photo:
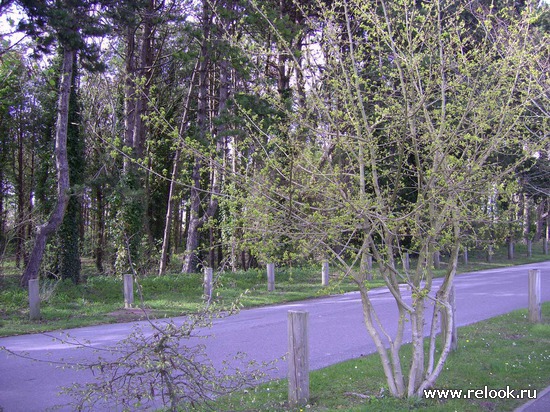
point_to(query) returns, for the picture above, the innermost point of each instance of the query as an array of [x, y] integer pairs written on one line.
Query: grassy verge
[[100, 298], [502, 352]]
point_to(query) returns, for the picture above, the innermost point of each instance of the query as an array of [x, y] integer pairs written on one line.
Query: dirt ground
[[130, 315]]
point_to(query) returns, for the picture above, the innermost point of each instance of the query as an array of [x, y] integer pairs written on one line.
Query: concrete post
[[128, 291], [535, 315], [406, 263], [369, 267], [208, 277], [510, 249], [270, 277], [325, 273], [490, 253], [34, 299], [298, 358], [366, 265], [437, 261]]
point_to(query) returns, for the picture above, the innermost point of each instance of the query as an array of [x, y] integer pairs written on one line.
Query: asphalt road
[[336, 333]]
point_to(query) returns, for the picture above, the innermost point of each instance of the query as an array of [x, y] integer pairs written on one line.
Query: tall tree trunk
[[169, 212], [3, 187], [134, 212], [30, 196], [45, 230], [192, 243], [196, 221], [526, 218], [180, 223], [191, 259], [216, 170], [175, 171], [100, 228], [129, 93], [145, 74], [20, 244], [69, 232], [219, 256], [212, 249], [540, 221], [2, 219]]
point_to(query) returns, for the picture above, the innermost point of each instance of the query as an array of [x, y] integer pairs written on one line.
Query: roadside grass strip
[[99, 299], [499, 365]]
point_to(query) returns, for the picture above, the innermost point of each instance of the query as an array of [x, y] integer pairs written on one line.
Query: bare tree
[[160, 365]]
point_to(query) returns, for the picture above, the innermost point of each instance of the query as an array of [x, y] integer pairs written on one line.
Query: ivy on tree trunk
[[45, 230]]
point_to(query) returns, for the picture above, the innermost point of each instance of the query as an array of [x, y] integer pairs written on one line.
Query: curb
[[537, 404]]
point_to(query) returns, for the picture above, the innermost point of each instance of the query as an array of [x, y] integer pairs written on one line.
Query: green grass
[[100, 298], [477, 259], [505, 351]]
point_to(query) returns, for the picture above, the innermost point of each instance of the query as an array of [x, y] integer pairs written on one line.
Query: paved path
[[541, 404], [336, 334]]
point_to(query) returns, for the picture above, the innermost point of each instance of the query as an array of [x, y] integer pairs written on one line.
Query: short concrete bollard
[[535, 314], [128, 291], [325, 273], [298, 358], [406, 263], [208, 276], [270, 277], [369, 267], [511, 250], [437, 260], [366, 265], [490, 253], [34, 299]]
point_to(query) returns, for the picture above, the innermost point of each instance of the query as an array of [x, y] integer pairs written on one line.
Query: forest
[[156, 136], [228, 133]]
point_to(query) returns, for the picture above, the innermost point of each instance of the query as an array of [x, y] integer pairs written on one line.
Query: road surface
[[336, 333]]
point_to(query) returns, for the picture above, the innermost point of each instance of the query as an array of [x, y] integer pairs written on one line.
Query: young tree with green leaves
[[407, 111]]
